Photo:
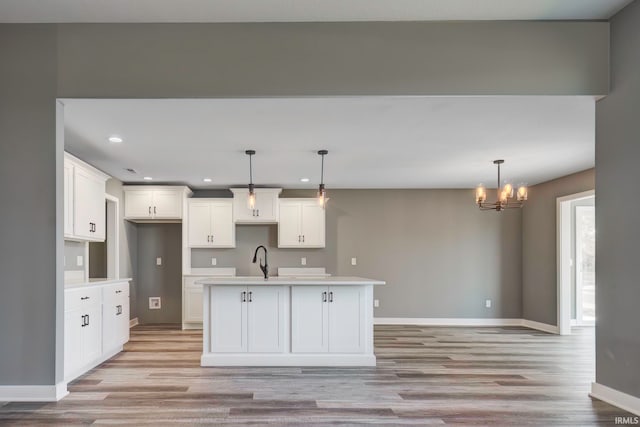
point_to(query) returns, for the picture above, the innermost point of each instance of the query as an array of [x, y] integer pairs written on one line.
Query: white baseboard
[[286, 359], [441, 321], [33, 393], [616, 398], [133, 322], [544, 327]]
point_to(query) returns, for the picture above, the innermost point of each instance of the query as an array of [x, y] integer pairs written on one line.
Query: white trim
[[287, 359], [133, 322], [545, 327], [33, 393], [616, 398], [563, 253], [113, 236], [437, 321]]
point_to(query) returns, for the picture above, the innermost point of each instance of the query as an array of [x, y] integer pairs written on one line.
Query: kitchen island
[[288, 321]]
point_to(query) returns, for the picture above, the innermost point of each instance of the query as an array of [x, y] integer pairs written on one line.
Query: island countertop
[[289, 280]]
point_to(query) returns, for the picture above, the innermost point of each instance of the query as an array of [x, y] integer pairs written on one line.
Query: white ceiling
[[373, 142], [302, 10]]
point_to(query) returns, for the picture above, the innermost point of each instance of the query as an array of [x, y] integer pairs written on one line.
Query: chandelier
[[505, 195]]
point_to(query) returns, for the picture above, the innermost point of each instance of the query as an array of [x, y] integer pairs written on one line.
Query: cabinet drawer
[[77, 298]]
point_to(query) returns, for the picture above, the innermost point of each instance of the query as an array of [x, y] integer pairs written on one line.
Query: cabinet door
[[72, 341], [167, 204], [228, 319], [110, 321], [199, 224], [193, 303], [266, 317], [84, 200], [123, 319], [138, 203], [309, 319], [241, 212], [313, 224], [98, 210], [346, 319], [289, 231], [266, 206], [92, 332], [223, 230], [68, 198]]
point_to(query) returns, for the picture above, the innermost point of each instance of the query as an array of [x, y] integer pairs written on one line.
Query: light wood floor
[[425, 375]]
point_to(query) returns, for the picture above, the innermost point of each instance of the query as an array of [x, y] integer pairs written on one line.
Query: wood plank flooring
[[425, 376]]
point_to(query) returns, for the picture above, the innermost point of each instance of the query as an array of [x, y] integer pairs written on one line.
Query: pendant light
[[322, 193], [504, 196], [251, 199]]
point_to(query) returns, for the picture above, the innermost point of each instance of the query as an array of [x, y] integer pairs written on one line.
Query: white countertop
[[288, 280], [95, 282]]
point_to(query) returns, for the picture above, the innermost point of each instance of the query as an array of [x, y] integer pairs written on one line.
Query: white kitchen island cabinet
[[285, 321]]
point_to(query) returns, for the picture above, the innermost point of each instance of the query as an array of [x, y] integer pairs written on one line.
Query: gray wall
[[31, 208], [440, 255], [165, 281], [72, 250], [367, 58], [128, 244], [539, 274], [98, 259], [617, 155]]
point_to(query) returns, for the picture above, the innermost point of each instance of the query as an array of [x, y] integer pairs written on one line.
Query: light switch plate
[[303, 261], [487, 303], [214, 261], [79, 260], [354, 261], [159, 261], [376, 303]]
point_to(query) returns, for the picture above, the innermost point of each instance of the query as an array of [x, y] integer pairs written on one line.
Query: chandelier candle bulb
[[481, 194], [522, 193]]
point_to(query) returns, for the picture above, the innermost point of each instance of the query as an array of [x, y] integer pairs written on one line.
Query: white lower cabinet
[[96, 324], [248, 319], [328, 319], [192, 302]]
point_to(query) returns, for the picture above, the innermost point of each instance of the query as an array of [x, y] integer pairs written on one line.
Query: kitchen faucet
[[265, 267]]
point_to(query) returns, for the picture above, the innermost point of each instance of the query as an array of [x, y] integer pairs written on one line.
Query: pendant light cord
[[250, 170], [322, 171]]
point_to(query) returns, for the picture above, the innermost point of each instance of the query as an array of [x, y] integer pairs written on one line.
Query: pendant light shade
[[322, 192], [251, 198]]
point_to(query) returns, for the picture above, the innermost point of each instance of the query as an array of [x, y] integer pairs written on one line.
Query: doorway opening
[[576, 261]]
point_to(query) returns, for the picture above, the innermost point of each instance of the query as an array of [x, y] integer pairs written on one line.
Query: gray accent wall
[[617, 156], [164, 281], [440, 256], [539, 273], [340, 58], [31, 208]]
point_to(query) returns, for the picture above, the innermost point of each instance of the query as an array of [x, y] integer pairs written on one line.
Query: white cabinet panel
[[68, 198], [266, 210], [309, 312], [115, 315], [138, 203], [154, 203], [265, 319], [92, 333], [223, 230], [228, 319], [302, 224], [199, 224], [193, 303], [167, 204], [73, 326], [346, 319]]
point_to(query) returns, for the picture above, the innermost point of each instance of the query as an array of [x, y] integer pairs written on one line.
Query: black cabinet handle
[[83, 298], [87, 320], [324, 297], [250, 296], [244, 296], [154, 210], [118, 310], [257, 212], [303, 238], [330, 296], [149, 210], [84, 321]]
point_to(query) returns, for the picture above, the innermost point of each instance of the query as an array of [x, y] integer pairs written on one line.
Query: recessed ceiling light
[[115, 139], [148, 178], [304, 179], [207, 179]]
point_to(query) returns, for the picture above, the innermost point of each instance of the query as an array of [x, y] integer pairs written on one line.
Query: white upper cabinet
[[154, 203], [302, 224], [84, 201], [210, 223], [265, 211]]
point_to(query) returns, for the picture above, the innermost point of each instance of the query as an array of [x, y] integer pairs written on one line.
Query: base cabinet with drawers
[[96, 325]]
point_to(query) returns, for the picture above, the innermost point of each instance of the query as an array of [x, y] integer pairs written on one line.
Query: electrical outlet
[[376, 303], [487, 303], [214, 261], [155, 303], [303, 261], [79, 260], [159, 261], [354, 261]]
